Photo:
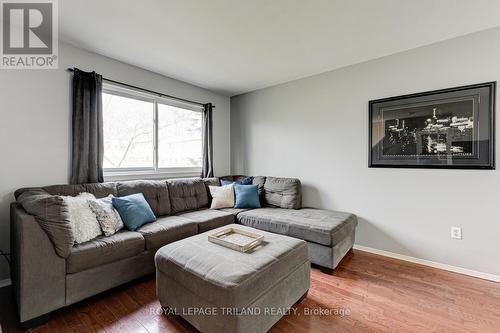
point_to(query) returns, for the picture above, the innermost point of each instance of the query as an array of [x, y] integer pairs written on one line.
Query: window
[[128, 132], [144, 133]]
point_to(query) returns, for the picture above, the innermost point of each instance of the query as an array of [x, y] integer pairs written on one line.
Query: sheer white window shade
[[147, 135], [179, 137]]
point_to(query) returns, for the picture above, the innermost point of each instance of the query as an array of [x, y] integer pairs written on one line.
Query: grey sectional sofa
[[49, 272]]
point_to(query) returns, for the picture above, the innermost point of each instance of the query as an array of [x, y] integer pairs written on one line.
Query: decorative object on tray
[[449, 128], [235, 239]]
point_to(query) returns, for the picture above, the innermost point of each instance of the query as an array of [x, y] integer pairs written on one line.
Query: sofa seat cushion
[[235, 211], [166, 230], [104, 250], [320, 226], [208, 219]]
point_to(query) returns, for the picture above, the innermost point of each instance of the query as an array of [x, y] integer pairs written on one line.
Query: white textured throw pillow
[[222, 196], [106, 214], [83, 221]]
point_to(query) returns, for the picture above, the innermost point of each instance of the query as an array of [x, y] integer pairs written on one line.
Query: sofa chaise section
[[329, 234], [320, 226]]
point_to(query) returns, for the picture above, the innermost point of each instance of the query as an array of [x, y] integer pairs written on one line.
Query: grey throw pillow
[[109, 219], [283, 192]]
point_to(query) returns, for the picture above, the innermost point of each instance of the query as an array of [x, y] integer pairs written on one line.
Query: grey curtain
[[208, 167], [87, 152]]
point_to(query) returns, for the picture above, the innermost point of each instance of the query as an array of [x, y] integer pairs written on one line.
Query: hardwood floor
[[367, 293]]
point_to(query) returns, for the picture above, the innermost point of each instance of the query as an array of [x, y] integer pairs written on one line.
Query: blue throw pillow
[[247, 196], [134, 210], [245, 181]]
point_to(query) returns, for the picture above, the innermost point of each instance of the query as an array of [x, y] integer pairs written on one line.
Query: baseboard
[[5, 283], [460, 270]]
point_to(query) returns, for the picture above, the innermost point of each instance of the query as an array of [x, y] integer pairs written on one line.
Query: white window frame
[[111, 174]]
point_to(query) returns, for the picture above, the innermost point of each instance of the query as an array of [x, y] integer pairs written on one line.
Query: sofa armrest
[[38, 273]]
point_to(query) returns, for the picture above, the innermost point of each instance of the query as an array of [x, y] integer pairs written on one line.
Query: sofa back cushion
[[187, 194], [260, 181], [155, 192], [212, 181], [99, 190], [232, 178], [283, 192], [52, 214], [243, 181]]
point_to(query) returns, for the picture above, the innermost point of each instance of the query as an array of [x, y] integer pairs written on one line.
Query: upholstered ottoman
[[218, 289]]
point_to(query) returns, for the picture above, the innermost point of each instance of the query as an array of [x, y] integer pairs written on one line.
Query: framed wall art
[[449, 128]]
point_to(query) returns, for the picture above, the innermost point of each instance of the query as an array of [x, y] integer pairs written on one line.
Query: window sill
[[117, 176]]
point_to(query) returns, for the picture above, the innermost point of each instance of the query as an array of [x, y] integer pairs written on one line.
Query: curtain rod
[[147, 90]]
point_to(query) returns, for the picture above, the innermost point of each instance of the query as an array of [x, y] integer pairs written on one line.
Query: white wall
[[316, 129], [35, 119]]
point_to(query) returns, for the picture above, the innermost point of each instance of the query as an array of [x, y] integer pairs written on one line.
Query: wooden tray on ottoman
[[239, 240]]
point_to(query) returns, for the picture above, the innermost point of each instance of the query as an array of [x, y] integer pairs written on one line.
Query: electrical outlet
[[456, 232]]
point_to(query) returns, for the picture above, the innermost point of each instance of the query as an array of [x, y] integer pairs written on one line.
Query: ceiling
[[236, 46]]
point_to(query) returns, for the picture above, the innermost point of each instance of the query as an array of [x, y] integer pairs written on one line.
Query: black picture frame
[[450, 128]]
